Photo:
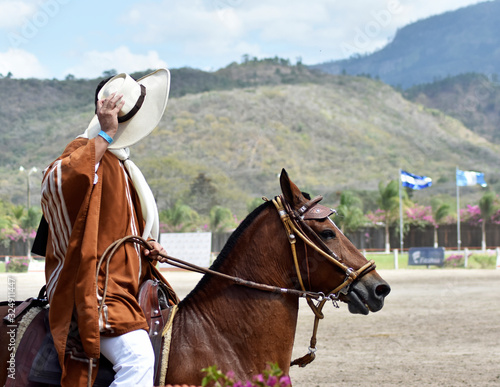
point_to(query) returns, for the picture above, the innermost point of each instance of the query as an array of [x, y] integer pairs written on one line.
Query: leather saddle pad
[[37, 360], [36, 357]]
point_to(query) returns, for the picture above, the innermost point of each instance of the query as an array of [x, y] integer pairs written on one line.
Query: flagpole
[[459, 242], [400, 213]]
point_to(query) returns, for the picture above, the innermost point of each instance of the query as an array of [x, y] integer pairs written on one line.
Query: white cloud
[[224, 30], [21, 64], [205, 34], [14, 13], [94, 63]]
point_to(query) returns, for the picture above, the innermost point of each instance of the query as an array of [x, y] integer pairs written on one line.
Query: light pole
[[28, 197], [28, 188]]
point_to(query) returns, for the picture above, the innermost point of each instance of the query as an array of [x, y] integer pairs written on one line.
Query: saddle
[[36, 356]]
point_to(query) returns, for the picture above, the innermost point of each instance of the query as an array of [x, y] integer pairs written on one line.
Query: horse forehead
[[334, 225]]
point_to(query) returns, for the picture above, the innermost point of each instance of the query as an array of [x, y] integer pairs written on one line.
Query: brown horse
[[243, 328]]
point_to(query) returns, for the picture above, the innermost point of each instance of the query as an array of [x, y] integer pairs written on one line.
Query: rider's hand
[[107, 112], [154, 253]]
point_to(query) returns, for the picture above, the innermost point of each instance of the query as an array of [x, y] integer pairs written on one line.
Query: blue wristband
[[106, 136]]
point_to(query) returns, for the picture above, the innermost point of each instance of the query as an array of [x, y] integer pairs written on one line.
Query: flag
[[465, 178], [414, 181]]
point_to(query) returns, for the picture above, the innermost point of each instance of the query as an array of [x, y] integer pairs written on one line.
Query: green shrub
[[17, 265], [482, 261], [454, 260]]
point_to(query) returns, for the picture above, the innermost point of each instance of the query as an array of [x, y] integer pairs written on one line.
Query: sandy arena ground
[[438, 328]]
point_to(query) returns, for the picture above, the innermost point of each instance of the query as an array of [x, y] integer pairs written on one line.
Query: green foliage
[[17, 265], [272, 376], [221, 219], [349, 212], [487, 205], [226, 135], [472, 98], [454, 261], [440, 211], [388, 200], [482, 261], [203, 194], [179, 218], [16, 223]]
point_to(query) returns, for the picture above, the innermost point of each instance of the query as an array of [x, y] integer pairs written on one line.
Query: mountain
[[474, 99], [331, 133], [462, 41]]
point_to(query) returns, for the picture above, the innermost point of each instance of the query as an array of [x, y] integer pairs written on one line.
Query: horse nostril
[[382, 290]]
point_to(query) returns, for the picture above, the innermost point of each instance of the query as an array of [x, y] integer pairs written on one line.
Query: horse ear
[[290, 191]]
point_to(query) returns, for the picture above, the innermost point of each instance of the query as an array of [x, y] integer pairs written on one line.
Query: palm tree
[[388, 202], [349, 212], [179, 218], [488, 208], [439, 212], [221, 219]]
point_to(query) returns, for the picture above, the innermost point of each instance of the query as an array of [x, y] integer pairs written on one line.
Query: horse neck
[[252, 327]]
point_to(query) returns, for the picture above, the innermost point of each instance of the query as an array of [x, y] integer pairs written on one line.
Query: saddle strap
[[24, 306], [154, 301]]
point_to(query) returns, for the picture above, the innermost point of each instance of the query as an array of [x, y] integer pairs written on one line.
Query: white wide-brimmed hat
[[145, 103]]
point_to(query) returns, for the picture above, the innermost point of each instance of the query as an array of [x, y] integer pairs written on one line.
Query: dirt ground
[[437, 328]]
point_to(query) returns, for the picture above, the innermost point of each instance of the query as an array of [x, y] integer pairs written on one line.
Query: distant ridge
[[456, 42], [332, 133]]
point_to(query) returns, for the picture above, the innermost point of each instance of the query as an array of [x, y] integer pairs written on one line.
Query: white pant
[[132, 357]]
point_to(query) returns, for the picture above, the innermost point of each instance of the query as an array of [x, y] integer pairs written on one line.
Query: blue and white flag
[[466, 178], [414, 181]]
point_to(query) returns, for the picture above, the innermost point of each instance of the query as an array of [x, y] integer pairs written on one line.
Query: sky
[[84, 38]]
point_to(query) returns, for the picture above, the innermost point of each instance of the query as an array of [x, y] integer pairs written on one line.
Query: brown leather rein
[[293, 222]]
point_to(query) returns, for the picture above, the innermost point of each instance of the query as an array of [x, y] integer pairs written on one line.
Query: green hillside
[[472, 98], [227, 146]]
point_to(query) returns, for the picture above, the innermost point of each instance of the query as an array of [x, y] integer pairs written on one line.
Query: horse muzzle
[[367, 294]]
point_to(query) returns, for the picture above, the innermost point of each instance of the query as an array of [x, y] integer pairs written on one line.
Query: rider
[[93, 195]]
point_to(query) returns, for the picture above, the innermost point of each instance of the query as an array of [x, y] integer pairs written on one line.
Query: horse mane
[[231, 242]]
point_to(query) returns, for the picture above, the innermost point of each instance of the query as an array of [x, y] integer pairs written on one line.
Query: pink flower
[[259, 378], [230, 375], [285, 381]]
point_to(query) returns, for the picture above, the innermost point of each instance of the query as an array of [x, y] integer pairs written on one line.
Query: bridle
[[294, 224]]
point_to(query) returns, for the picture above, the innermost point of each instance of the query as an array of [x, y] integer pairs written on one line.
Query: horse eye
[[327, 234]]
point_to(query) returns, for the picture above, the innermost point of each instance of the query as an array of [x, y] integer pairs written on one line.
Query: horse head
[[336, 268]]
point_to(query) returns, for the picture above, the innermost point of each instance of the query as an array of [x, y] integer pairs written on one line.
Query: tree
[[18, 224], [388, 202], [221, 219], [439, 213], [109, 73], [349, 212], [179, 218], [488, 208], [203, 194]]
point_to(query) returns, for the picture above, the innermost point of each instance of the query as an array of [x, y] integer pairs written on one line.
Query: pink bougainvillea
[[420, 215]]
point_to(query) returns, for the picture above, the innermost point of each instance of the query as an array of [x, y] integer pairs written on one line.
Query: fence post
[[466, 256], [498, 258], [396, 264]]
